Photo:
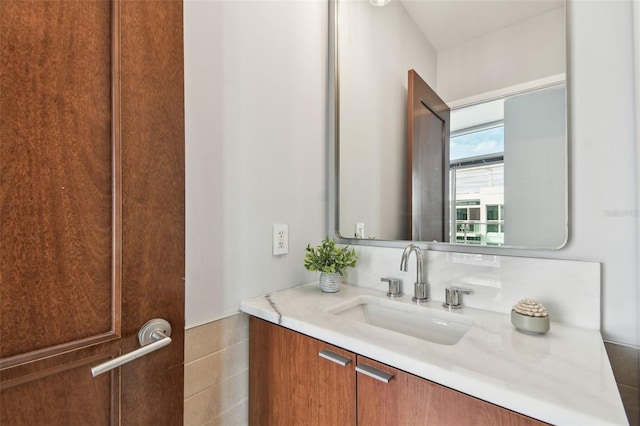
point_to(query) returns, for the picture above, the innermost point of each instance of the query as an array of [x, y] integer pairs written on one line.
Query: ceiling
[[447, 23]]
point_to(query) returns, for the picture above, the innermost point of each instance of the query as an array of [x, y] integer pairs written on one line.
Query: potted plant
[[331, 261]]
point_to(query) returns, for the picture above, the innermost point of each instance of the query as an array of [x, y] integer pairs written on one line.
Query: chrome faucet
[[420, 293]]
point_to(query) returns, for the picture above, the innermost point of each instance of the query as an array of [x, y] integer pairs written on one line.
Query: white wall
[[603, 190], [378, 46], [255, 100], [255, 92], [527, 51]]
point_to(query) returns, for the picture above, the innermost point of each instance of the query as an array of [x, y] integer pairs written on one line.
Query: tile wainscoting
[[625, 362], [216, 372]]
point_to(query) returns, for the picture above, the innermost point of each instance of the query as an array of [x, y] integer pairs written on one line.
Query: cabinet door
[[410, 400], [290, 383]]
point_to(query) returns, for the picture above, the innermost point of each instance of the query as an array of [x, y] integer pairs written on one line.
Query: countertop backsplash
[[569, 289]]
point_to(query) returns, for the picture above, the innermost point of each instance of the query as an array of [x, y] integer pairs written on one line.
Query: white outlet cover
[[280, 239]]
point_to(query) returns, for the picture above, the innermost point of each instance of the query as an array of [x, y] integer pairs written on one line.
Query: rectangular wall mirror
[[482, 161]]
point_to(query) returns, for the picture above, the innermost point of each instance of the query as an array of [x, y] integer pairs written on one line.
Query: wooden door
[[91, 209], [428, 156], [410, 400], [291, 384]]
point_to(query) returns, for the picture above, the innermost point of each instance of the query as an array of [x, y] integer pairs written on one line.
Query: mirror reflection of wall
[[467, 62], [377, 46], [535, 161]]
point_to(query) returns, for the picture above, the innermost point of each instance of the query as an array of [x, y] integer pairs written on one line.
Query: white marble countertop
[[562, 377]]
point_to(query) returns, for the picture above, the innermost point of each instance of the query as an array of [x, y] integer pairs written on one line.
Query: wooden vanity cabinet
[[410, 400], [291, 384]]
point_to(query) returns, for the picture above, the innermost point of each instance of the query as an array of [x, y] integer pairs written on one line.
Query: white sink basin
[[434, 325]]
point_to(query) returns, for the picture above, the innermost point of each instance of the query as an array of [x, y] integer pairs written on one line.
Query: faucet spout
[[412, 248], [420, 287]]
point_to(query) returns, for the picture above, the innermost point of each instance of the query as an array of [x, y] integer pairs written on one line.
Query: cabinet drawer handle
[[370, 371], [334, 357]]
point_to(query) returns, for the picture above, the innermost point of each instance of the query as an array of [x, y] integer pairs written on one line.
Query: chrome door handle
[[152, 336]]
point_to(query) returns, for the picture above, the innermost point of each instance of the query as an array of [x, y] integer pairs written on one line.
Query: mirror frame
[[333, 158]]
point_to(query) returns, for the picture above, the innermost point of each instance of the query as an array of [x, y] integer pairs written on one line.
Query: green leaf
[[327, 257]]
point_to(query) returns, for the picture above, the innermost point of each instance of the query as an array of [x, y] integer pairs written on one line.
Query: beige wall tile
[[216, 400], [625, 362], [212, 369], [216, 372], [214, 336], [631, 399], [236, 416]]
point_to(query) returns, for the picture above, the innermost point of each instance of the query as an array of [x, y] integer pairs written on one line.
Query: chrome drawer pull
[[334, 357], [370, 371], [152, 336]]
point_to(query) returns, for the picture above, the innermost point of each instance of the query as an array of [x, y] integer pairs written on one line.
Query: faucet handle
[[394, 286], [452, 299]]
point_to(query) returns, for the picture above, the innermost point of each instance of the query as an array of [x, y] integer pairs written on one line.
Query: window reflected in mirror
[[477, 176]]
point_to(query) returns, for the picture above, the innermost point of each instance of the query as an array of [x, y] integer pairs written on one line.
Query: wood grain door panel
[[56, 177], [31, 394], [428, 162], [153, 209], [91, 209]]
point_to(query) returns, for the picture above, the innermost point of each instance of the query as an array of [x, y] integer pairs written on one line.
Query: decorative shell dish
[[530, 316]]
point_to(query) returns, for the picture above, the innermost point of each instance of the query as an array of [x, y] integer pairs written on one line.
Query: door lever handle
[[152, 336]]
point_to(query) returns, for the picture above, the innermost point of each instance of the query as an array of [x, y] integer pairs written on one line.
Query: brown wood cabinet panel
[[290, 384], [411, 400]]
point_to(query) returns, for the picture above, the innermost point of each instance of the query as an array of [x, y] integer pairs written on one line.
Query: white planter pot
[[330, 282]]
